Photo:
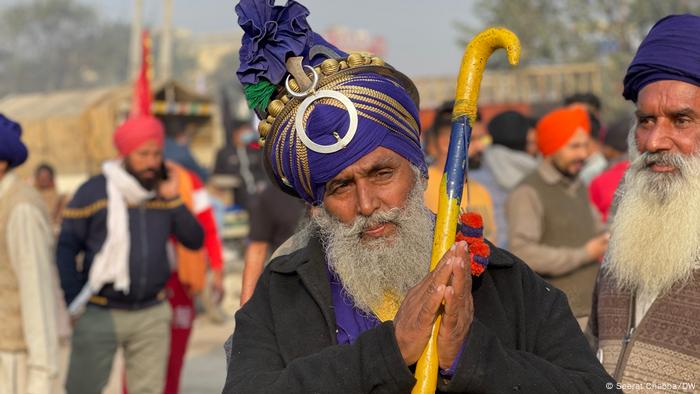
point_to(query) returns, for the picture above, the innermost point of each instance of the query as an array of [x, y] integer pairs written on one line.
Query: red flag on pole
[[141, 102]]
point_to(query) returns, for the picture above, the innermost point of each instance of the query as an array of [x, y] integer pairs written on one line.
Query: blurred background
[[67, 69], [66, 65]]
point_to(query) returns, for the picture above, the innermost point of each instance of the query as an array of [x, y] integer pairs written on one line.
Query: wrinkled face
[[44, 180], [570, 158], [668, 121], [379, 181], [145, 163], [660, 192]]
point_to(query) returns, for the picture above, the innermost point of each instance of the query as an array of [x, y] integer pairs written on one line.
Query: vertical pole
[[136, 28], [166, 43]]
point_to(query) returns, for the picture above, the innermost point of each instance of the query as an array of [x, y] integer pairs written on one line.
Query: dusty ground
[[205, 365]]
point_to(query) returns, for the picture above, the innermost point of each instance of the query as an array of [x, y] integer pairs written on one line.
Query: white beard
[[370, 268], [655, 235]]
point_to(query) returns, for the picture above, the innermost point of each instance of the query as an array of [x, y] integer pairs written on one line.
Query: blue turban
[[12, 150], [386, 101], [387, 117], [669, 52]]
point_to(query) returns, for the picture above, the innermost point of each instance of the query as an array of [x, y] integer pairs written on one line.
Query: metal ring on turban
[[342, 142], [306, 92]]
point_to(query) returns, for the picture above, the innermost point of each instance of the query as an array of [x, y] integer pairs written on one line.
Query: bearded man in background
[[646, 312]]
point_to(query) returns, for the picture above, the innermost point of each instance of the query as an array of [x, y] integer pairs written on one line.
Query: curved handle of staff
[[474, 61], [452, 184]]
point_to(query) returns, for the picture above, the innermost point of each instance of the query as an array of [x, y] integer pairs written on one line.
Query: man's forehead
[[671, 94], [378, 158], [149, 145]]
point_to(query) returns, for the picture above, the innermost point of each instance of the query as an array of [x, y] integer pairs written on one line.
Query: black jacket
[[523, 338], [84, 230]]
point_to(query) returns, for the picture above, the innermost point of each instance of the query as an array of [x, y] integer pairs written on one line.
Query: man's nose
[[367, 199], [154, 162], [657, 139]]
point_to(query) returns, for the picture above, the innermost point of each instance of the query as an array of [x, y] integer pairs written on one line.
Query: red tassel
[[477, 246], [472, 219], [477, 269], [480, 248]]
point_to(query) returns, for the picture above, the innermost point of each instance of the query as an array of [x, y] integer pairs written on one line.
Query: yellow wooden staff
[[454, 176]]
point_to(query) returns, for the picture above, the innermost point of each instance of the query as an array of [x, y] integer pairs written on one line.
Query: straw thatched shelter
[[72, 130]]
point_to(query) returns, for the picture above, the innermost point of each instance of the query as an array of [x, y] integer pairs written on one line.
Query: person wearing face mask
[[240, 161]]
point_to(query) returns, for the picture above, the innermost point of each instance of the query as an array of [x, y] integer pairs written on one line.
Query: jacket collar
[[498, 257], [310, 264], [551, 176]]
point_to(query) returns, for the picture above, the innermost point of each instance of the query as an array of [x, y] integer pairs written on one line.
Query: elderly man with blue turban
[[341, 131], [29, 360], [646, 314]]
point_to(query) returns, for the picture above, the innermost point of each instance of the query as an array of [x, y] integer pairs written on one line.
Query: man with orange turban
[[121, 222], [551, 223]]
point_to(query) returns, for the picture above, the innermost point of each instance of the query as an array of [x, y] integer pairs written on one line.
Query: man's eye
[[683, 121], [383, 174], [644, 120], [339, 188]]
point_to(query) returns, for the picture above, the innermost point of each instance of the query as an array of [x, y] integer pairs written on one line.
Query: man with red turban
[[121, 221], [551, 223]]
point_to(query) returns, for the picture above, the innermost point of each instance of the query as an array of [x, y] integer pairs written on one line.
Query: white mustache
[[647, 159], [364, 223]]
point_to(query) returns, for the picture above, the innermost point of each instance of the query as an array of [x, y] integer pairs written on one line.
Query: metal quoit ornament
[[312, 95]]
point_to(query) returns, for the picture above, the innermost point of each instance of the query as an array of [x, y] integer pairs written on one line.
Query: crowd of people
[[575, 263]]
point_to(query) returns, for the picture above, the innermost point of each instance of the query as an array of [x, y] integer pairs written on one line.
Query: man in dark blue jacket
[[121, 221]]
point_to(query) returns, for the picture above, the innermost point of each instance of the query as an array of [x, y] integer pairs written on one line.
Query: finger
[[441, 273], [460, 289], [462, 252], [451, 252], [429, 309], [454, 297], [450, 315]]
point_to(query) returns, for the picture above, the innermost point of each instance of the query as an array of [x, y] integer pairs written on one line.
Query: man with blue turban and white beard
[[645, 324], [341, 131]]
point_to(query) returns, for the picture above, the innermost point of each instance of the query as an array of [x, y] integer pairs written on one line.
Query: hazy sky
[[420, 34]]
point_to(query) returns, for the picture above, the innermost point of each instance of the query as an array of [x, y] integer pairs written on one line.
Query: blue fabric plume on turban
[[669, 52], [12, 150]]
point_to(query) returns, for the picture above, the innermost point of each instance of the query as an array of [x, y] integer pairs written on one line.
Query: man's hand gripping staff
[[449, 283]]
